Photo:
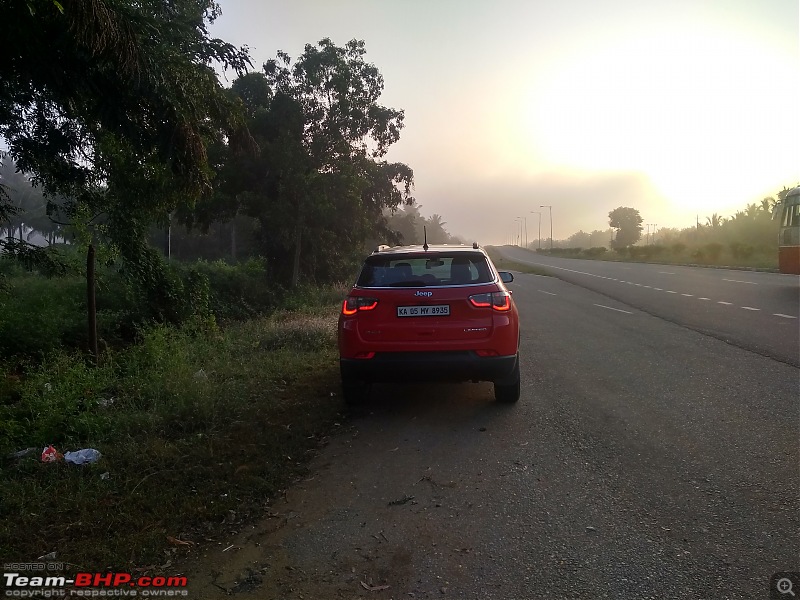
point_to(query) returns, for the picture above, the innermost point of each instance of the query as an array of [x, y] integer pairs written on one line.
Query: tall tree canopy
[[628, 223], [112, 103], [319, 185]]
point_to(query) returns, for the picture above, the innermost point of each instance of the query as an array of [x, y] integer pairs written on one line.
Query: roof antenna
[[425, 234]]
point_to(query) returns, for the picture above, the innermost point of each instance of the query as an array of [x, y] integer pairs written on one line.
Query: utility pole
[[551, 224], [536, 212]]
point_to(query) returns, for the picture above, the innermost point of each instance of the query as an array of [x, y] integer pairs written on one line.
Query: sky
[[677, 108]]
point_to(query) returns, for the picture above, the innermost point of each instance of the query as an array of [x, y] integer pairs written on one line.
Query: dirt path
[[376, 508]]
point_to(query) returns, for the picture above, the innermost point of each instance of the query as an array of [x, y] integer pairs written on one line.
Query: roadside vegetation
[[200, 426], [748, 239]]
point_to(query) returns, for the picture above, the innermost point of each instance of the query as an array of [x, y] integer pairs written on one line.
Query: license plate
[[437, 310]]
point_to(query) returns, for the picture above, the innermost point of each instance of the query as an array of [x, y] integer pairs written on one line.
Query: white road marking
[[723, 302], [658, 289], [739, 281], [671, 292], [648, 287], [784, 316], [687, 295], [548, 293], [704, 298], [666, 273], [750, 308], [616, 309]]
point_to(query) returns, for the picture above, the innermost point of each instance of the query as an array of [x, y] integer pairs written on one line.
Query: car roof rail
[[475, 245], [381, 248]]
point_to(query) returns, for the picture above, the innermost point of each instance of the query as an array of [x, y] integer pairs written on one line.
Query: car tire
[[507, 391], [354, 392]]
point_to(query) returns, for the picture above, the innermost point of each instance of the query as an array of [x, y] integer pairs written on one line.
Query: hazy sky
[[673, 107]]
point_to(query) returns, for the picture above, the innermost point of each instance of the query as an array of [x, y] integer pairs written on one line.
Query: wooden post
[[91, 302]]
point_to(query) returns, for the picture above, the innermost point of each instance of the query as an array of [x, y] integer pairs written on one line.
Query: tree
[[120, 63], [628, 224], [435, 229], [112, 104], [318, 185]]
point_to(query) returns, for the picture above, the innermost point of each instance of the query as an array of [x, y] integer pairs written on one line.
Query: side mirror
[[506, 277]]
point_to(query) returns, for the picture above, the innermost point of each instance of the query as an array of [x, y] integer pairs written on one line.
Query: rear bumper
[[429, 366]]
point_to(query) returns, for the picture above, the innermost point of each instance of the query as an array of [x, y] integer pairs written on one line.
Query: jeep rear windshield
[[421, 270]]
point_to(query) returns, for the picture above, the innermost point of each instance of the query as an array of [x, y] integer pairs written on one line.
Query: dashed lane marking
[[616, 309], [723, 302]]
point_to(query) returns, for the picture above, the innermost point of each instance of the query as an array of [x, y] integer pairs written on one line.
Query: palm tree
[[715, 220], [436, 231]]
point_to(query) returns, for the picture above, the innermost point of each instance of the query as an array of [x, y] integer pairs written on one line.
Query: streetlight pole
[[524, 223], [517, 230], [536, 212], [650, 240], [551, 223]]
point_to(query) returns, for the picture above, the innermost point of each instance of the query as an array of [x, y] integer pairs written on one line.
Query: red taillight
[[481, 300], [500, 301], [353, 304]]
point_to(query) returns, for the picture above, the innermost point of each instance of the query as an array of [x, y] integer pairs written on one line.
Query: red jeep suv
[[429, 313]]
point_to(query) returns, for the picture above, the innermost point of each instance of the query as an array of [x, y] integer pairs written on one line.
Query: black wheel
[[354, 392], [507, 390]]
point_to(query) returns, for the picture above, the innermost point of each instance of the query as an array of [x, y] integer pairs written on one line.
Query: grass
[[503, 264], [198, 430]]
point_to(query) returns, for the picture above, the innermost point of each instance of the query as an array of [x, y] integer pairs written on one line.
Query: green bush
[[595, 252], [713, 250], [741, 251], [38, 315], [239, 291], [58, 404], [637, 252]]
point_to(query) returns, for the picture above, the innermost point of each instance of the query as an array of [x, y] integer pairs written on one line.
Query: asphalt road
[[644, 460], [757, 311]]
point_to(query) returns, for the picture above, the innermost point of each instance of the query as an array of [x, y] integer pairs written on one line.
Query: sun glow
[[680, 108]]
